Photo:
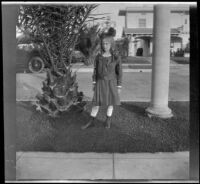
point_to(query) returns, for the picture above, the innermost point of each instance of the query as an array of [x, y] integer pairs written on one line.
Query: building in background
[[139, 29]]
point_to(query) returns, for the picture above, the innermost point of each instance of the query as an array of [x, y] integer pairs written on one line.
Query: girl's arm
[[94, 76], [119, 72]]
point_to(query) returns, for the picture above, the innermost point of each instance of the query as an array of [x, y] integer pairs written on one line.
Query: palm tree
[[56, 28]]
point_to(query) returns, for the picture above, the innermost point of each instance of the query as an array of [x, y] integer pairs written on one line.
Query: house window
[[142, 22]]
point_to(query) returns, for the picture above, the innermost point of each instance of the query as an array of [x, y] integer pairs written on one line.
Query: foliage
[[89, 43], [56, 28], [187, 49], [125, 45], [122, 47]]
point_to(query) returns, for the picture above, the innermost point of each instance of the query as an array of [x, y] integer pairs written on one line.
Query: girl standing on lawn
[[107, 79]]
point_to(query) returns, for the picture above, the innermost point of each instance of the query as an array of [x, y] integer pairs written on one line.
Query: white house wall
[[133, 19], [176, 20], [145, 48], [186, 26], [177, 45]]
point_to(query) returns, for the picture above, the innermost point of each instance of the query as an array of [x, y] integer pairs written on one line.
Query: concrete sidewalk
[[48, 165], [136, 85]]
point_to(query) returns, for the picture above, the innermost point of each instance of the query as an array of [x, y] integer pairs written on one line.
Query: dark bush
[[139, 52]]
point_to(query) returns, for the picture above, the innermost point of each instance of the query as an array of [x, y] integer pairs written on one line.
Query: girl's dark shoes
[[108, 122], [89, 124]]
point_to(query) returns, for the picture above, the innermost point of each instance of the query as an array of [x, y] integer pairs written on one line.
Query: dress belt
[[106, 77]]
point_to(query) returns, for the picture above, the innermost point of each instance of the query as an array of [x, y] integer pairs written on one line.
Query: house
[[139, 28]]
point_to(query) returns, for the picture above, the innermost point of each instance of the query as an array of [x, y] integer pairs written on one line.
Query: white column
[[151, 46], [185, 40], [145, 48], [126, 20], [160, 63], [131, 47]]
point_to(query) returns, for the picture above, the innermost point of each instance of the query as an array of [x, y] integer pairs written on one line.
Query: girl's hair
[[110, 34]]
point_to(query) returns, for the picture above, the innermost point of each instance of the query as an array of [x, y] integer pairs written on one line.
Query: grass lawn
[[146, 60], [181, 60], [140, 66], [135, 60], [131, 131]]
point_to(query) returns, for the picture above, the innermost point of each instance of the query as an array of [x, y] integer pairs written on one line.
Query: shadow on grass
[[136, 108], [26, 105]]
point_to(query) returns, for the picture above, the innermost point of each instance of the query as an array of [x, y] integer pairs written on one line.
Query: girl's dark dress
[[107, 75]]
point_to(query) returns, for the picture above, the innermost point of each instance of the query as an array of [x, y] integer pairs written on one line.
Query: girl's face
[[106, 45]]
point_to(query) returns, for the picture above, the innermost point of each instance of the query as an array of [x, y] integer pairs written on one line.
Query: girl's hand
[[119, 90], [93, 86]]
